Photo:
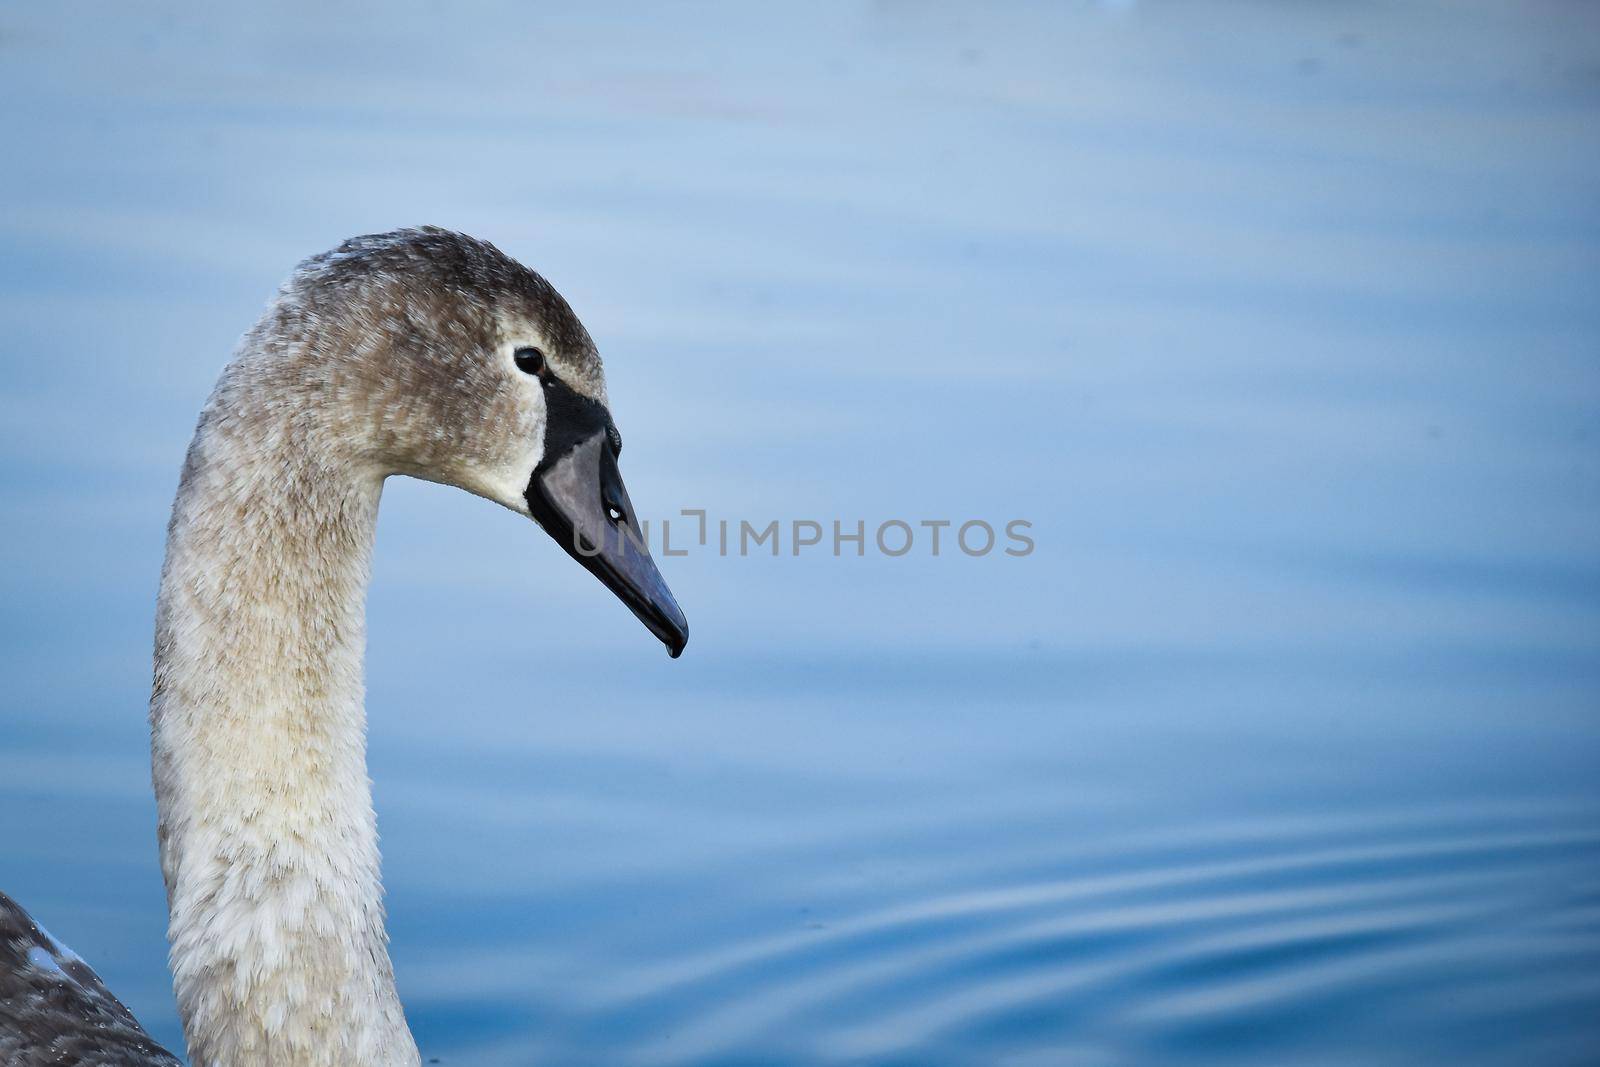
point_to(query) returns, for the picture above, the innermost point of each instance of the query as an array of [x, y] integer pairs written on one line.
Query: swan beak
[[580, 500]]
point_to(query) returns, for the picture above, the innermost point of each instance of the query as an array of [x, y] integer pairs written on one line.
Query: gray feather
[[54, 1009]]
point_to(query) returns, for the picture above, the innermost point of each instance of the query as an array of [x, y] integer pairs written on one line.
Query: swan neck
[[268, 838]]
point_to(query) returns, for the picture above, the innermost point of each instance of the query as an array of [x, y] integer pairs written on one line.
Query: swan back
[[55, 1010]]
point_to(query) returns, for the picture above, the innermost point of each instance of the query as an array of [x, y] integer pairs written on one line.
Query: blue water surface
[[1279, 324]]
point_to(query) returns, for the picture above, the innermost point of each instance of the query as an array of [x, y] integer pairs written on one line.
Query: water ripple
[[1245, 942]]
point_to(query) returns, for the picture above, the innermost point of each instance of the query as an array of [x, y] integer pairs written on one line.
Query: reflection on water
[[1226, 949], [1277, 322]]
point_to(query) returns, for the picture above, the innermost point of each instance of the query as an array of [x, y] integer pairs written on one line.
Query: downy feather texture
[[391, 354]]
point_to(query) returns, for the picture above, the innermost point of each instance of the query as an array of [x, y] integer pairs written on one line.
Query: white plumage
[[390, 355]]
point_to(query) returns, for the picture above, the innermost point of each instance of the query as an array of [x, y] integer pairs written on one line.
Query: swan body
[[55, 1010], [419, 352]]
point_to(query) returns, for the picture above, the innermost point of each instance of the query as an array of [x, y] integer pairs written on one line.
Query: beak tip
[[570, 501]]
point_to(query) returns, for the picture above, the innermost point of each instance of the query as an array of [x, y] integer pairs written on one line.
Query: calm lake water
[[1278, 322]]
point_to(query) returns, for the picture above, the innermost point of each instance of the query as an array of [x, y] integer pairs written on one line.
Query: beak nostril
[[614, 513]]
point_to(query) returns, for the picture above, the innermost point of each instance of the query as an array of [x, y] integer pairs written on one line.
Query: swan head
[[433, 354]]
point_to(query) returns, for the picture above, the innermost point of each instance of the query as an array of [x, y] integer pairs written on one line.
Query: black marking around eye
[[570, 419], [616, 439]]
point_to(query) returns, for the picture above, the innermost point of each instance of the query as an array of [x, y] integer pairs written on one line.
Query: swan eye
[[616, 440], [529, 360]]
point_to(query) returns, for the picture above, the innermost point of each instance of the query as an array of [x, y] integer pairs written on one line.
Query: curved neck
[[268, 840]]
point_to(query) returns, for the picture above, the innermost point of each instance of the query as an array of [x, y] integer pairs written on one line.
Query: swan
[[421, 352]]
